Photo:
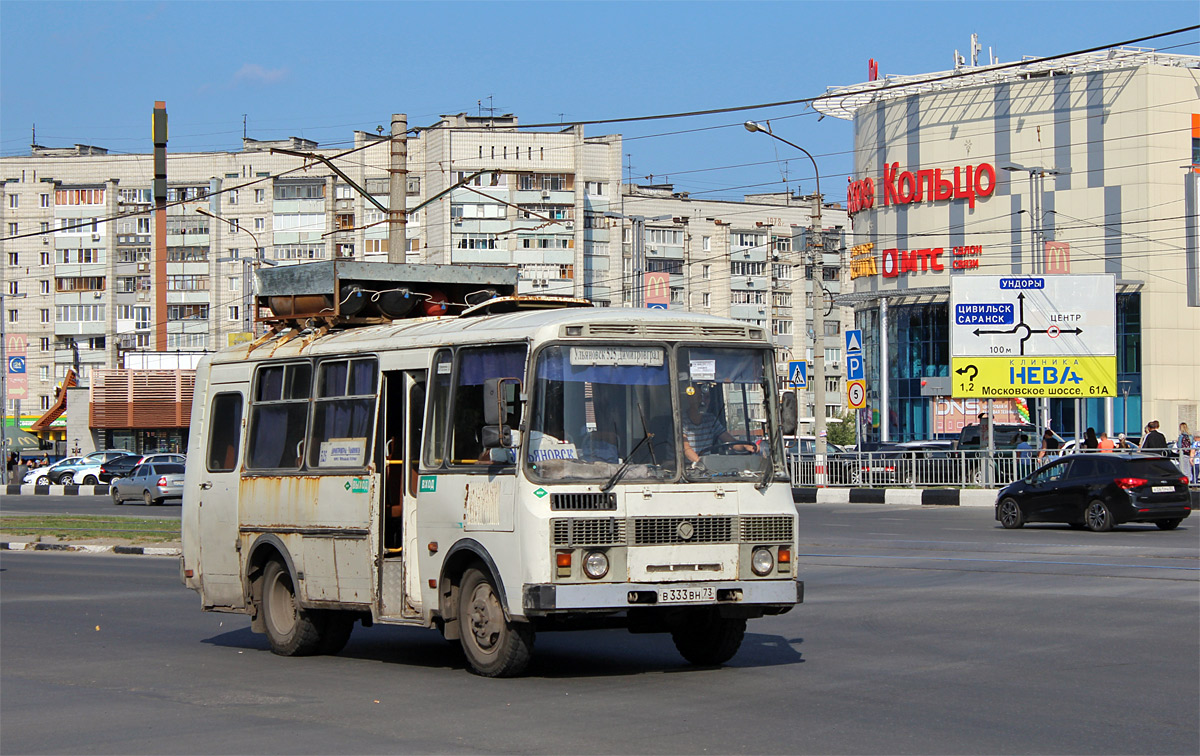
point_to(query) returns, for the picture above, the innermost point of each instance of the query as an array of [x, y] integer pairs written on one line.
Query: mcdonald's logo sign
[[658, 289], [1058, 257]]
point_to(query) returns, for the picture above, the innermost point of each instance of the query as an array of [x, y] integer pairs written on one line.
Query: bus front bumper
[[770, 596]]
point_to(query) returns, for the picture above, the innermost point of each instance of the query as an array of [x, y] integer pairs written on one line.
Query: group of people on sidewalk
[[1153, 442]]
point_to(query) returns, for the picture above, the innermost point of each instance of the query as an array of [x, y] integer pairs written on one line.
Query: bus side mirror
[[500, 399], [788, 413]]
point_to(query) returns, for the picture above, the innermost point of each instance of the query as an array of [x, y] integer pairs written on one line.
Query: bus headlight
[[761, 561], [595, 564]]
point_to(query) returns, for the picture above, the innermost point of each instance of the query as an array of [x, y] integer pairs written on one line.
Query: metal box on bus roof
[[365, 292]]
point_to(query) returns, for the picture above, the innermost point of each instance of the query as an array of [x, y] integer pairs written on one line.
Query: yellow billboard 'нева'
[[1058, 377]]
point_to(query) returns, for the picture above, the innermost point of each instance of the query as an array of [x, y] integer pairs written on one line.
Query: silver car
[[152, 482]]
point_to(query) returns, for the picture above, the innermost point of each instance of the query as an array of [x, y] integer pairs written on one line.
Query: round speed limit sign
[[856, 392]]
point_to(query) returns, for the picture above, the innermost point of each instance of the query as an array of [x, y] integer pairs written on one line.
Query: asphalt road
[[83, 505], [925, 630]]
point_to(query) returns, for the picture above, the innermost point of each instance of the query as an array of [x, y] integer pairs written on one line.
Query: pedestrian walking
[[1105, 444], [1089, 440], [1154, 442], [11, 468], [1050, 445], [1186, 448], [1024, 454]]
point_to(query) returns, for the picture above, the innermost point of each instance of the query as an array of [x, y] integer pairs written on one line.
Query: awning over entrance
[[43, 423]]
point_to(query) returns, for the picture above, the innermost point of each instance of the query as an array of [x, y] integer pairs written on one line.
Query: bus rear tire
[[494, 646], [707, 639], [291, 631]]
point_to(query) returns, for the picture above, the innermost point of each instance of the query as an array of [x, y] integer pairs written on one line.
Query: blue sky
[[89, 72]]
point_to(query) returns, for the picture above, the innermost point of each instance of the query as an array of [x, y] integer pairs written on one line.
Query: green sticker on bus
[[358, 485], [427, 484]]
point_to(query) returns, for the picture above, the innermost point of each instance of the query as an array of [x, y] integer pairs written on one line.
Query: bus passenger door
[[400, 423], [217, 497]]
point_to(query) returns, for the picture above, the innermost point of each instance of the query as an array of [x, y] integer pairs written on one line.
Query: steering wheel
[[726, 447]]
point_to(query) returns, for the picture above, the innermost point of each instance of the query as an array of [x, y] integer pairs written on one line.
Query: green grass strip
[[82, 528]]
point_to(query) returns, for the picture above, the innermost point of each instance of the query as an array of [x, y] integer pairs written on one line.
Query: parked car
[[44, 476], [120, 467], [153, 483], [915, 462], [1098, 491], [841, 466]]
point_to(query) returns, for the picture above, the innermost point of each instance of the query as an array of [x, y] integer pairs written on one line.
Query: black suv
[[1006, 435], [1098, 491]]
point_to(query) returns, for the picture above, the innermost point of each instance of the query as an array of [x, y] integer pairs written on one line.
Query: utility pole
[[398, 190], [158, 135]]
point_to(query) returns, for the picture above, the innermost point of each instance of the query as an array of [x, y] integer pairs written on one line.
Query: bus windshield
[[725, 413], [596, 408]]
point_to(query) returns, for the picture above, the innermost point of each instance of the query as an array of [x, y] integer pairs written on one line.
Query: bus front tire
[[291, 631], [707, 639], [494, 646]]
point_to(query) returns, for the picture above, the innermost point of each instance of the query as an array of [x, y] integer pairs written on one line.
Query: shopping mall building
[[1079, 166]]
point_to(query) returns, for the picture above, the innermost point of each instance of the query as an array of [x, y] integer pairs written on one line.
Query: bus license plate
[[686, 595]]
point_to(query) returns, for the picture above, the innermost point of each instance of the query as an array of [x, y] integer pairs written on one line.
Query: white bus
[[491, 476]]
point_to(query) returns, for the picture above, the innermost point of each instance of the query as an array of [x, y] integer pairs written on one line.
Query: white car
[[90, 475]]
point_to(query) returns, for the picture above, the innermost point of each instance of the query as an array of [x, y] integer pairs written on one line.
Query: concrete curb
[[940, 497], [89, 548], [28, 489]]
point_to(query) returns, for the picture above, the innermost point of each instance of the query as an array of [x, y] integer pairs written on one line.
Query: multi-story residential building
[[80, 231]]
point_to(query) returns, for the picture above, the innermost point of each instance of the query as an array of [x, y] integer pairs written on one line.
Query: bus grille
[[765, 529], [662, 530], [583, 502], [607, 531]]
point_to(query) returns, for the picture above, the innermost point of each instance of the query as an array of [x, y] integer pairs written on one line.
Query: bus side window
[[343, 411], [475, 366], [437, 412], [224, 432], [279, 417]]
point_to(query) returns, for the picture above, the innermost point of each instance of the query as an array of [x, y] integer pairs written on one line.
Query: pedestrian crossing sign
[[798, 374]]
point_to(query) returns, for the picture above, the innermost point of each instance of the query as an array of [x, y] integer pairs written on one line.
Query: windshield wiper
[[629, 459]]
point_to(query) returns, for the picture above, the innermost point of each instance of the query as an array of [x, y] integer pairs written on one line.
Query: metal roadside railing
[[923, 469]]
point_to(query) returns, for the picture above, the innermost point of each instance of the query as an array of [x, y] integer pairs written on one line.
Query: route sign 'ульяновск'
[[1039, 336]]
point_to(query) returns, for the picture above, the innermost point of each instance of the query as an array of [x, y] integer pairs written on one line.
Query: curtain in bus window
[[277, 439], [726, 365]]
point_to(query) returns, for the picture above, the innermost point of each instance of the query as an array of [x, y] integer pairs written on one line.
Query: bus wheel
[[707, 639], [494, 646], [291, 630]]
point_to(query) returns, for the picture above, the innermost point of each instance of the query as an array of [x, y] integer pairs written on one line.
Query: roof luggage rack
[[342, 293]]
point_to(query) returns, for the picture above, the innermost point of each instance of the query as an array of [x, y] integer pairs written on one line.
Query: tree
[[843, 433]]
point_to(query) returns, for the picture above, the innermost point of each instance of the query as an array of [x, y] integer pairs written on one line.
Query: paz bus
[[495, 468]]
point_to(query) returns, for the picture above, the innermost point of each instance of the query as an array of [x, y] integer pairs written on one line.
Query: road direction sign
[[798, 374], [853, 341], [854, 366], [1041, 336], [856, 394]]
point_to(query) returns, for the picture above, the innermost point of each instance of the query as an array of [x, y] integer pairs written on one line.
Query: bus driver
[[702, 428]]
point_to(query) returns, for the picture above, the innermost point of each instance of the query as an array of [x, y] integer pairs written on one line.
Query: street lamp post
[[817, 259], [247, 279]]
